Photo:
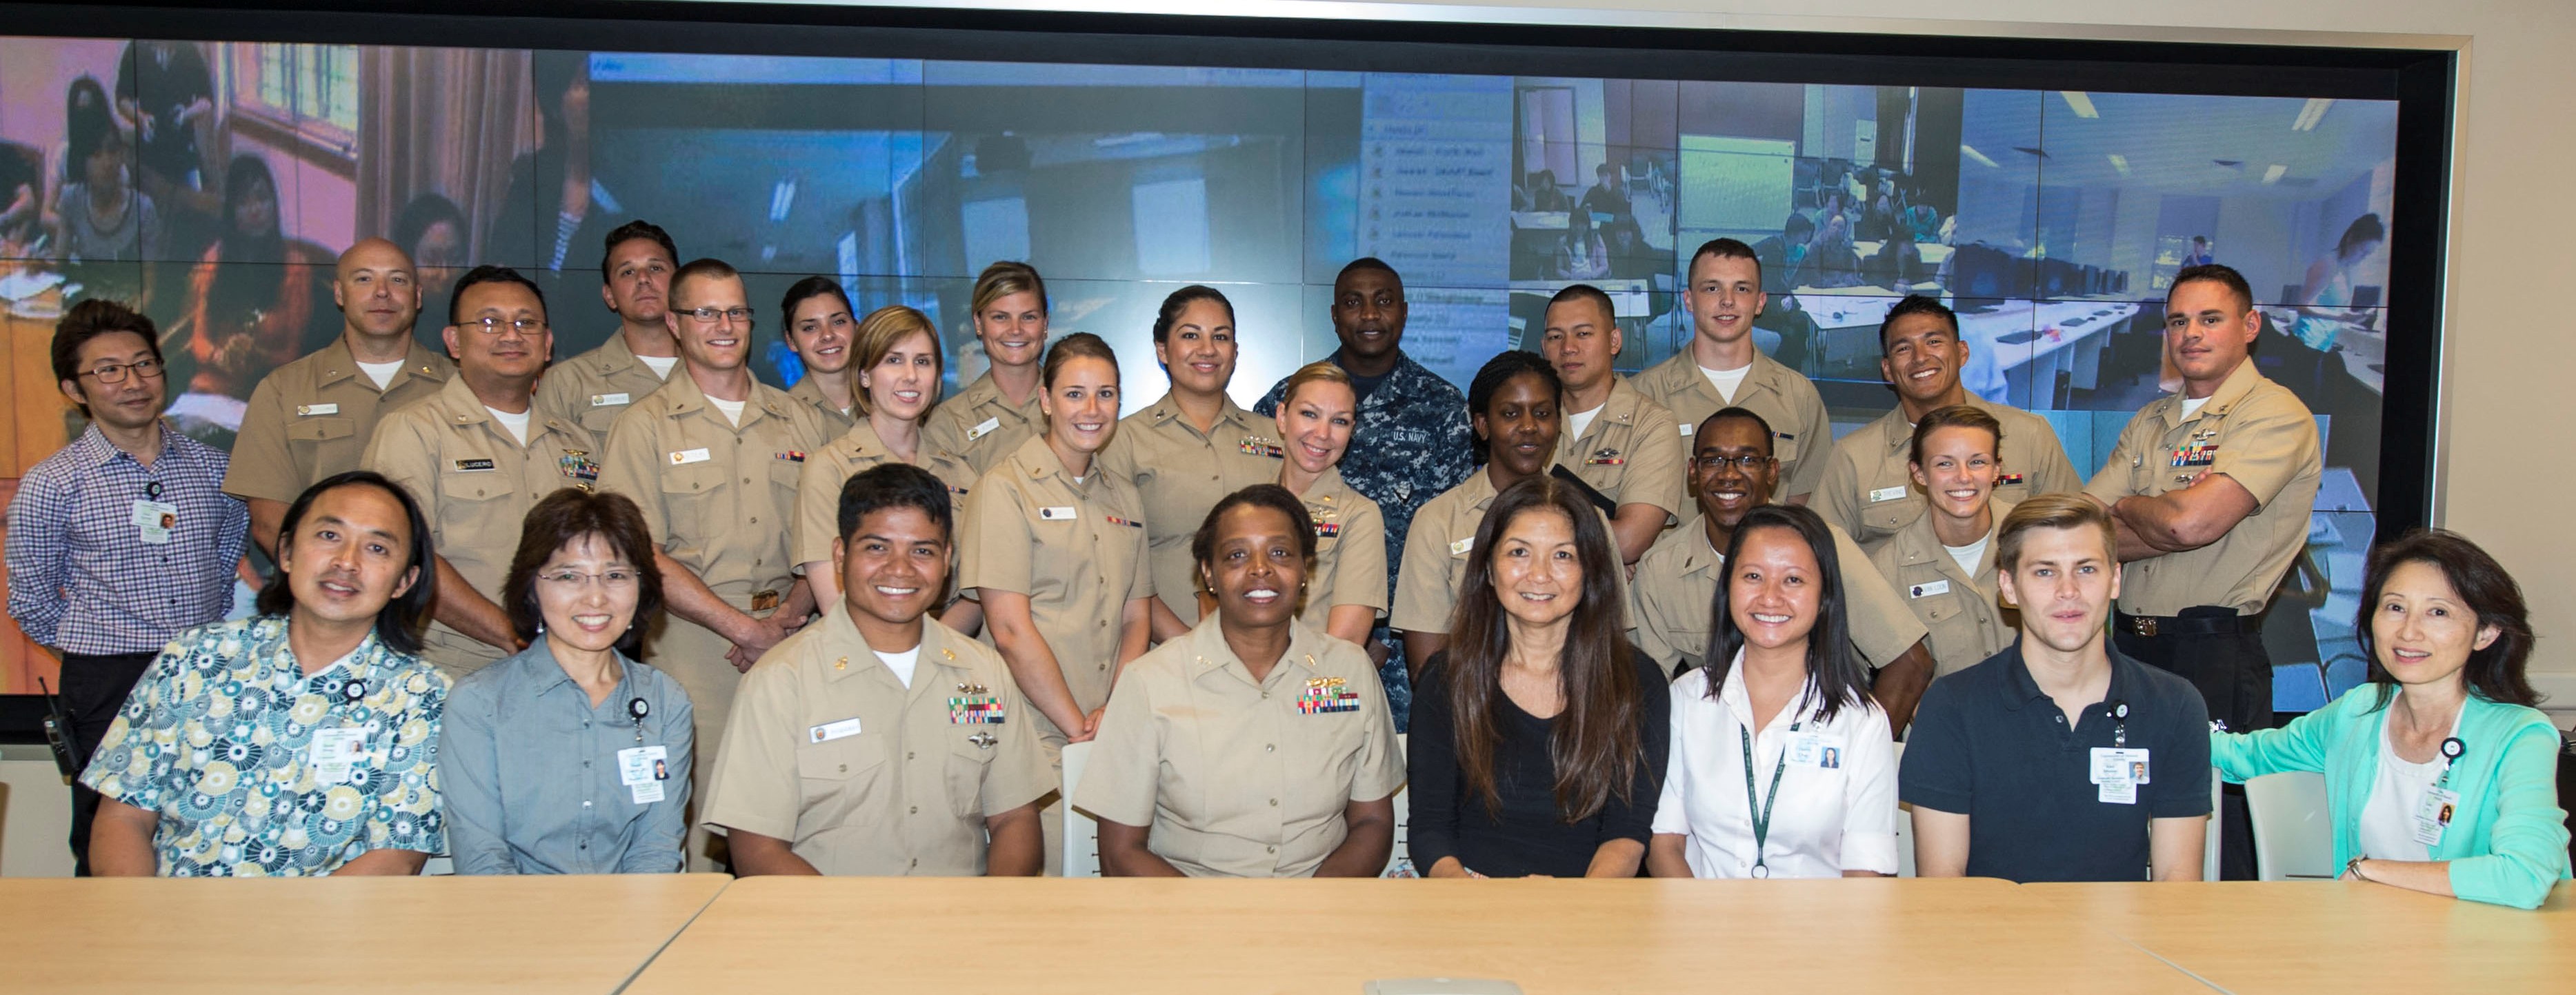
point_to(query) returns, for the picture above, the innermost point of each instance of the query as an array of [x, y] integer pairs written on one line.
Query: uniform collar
[[613, 357], [984, 391], [1915, 543], [1039, 461], [466, 409], [806, 393], [851, 655], [338, 363], [2239, 383], [861, 444], [1479, 489], [1620, 408], [1210, 654], [536, 673], [686, 398], [1168, 410], [1897, 434], [1696, 553], [2019, 689]]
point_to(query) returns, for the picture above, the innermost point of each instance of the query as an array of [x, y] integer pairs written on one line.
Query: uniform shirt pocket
[[324, 441], [1892, 514], [688, 498], [841, 779], [964, 773]]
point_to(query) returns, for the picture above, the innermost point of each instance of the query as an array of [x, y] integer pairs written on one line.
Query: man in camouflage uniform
[[1412, 440]]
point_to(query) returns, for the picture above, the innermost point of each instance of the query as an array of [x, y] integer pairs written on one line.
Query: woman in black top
[[1539, 733]]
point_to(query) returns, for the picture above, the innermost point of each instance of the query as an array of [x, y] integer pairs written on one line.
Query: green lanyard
[[1762, 814]]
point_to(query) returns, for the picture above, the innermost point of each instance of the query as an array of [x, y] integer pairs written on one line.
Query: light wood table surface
[[340, 935], [2335, 936], [1238, 937]]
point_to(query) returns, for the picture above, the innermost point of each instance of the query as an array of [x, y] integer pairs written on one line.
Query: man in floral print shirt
[[1412, 441], [301, 741]]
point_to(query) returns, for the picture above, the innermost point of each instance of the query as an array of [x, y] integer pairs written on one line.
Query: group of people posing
[[636, 611]]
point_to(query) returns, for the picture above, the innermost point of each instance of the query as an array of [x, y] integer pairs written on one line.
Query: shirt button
[[845, 768], [1274, 803], [1272, 849], [916, 810], [907, 754], [755, 521], [1269, 747]]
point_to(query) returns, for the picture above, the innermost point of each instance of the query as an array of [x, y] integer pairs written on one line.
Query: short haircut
[[1491, 377], [2221, 274], [1371, 263], [1586, 292], [632, 231], [2496, 673], [1002, 279], [1271, 496], [1835, 671], [1728, 414], [1079, 345], [1955, 416], [709, 268], [880, 332], [1915, 304], [2365, 228], [1179, 301], [398, 623], [489, 273], [2054, 511], [805, 290], [894, 485], [90, 319], [1798, 228], [1320, 371], [1725, 248], [559, 520]]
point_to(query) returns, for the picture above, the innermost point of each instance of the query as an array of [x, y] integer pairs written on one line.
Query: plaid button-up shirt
[[81, 577]]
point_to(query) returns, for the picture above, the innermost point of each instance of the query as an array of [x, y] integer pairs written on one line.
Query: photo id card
[[335, 754], [154, 521], [642, 769], [2433, 814]]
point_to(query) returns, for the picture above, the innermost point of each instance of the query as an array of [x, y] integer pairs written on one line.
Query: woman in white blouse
[[1781, 766]]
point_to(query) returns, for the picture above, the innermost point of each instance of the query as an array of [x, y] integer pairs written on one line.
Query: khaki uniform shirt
[[981, 426], [2257, 433], [818, 490], [1076, 548], [1444, 533], [1672, 598], [718, 498], [475, 484], [1236, 777], [1868, 492], [1803, 434], [312, 418], [835, 420], [1631, 452], [1350, 550], [1181, 475], [828, 750], [599, 385], [1964, 610]]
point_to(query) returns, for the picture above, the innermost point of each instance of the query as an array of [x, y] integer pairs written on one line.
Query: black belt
[[2211, 624]]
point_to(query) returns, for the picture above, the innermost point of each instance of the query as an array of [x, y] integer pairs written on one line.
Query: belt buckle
[[2144, 625], [764, 600]]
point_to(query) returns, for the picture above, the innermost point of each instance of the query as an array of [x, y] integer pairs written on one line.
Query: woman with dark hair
[[432, 230], [2326, 295], [1253, 746], [822, 330], [99, 215], [1781, 765], [2441, 774], [1512, 405], [1538, 732], [1944, 560], [554, 203], [571, 757], [251, 299]]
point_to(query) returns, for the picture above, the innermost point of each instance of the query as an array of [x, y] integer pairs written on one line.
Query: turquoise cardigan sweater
[[2508, 842]]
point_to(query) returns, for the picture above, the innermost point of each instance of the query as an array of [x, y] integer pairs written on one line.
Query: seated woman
[[570, 757], [1785, 689], [1254, 746], [2440, 775], [1944, 561], [1538, 732]]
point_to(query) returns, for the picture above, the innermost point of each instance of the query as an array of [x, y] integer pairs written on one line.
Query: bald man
[[311, 418]]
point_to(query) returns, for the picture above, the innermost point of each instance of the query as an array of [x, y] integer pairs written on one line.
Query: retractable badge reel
[[2440, 804], [637, 709]]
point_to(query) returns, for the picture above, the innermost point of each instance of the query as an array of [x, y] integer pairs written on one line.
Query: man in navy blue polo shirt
[[2059, 759]]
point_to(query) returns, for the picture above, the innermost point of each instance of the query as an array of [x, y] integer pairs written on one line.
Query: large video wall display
[[213, 183]]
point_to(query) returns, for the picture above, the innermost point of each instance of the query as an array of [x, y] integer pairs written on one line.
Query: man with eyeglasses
[[1733, 471], [635, 284], [713, 459], [312, 418], [477, 455], [121, 540]]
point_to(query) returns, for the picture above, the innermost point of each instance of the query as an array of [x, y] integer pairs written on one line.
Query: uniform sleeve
[[124, 767], [1422, 597], [406, 456], [665, 825], [1359, 573], [2527, 843], [261, 467], [1815, 446], [1140, 552], [630, 465], [2179, 783], [753, 785], [1655, 465], [2054, 474], [1021, 774], [1936, 771], [996, 550], [1431, 765], [1869, 796], [2279, 446], [39, 555], [470, 778], [1882, 627], [1380, 771], [818, 508], [404, 807], [2111, 483], [1836, 498], [1119, 781]]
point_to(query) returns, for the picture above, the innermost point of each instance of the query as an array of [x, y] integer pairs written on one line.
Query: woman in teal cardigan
[[2440, 775]]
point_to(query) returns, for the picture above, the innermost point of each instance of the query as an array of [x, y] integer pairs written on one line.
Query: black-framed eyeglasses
[[711, 315], [1747, 463], [115, 372], [493, 326]]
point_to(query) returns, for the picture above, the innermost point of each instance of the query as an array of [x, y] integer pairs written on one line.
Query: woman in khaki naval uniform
[[1253, 746], [1943, 562], [988, 420], [898, 364], [1346, 587], [1186, 452], [820, 328]]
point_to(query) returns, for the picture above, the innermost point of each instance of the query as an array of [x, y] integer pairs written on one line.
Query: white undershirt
[[1726, 381], [2388, 818], [381, 373], [1575, 423], [2191, 406], [1968, 555], [732, 409], [517, 424], [660, 365], [901, 663]]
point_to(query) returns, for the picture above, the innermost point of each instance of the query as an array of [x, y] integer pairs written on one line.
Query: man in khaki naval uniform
[[477, 455], [1180, 473], [635, 283], [1723, 296], [718, 489], [1867, 490], [312, 418], [870, 742], [1625, 446], [1676, 582]]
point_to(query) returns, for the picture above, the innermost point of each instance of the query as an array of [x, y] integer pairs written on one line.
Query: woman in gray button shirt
[[570, 757]]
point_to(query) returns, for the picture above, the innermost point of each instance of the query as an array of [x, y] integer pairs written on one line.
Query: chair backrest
[[2209, 841], [1399, 859], [1904, 828], [1081, 831], [2293, 834]]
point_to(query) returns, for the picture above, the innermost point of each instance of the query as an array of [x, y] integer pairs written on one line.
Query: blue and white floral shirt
[[221, 734]]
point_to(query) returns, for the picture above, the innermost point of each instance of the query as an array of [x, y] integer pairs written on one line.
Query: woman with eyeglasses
[[571, 757]]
